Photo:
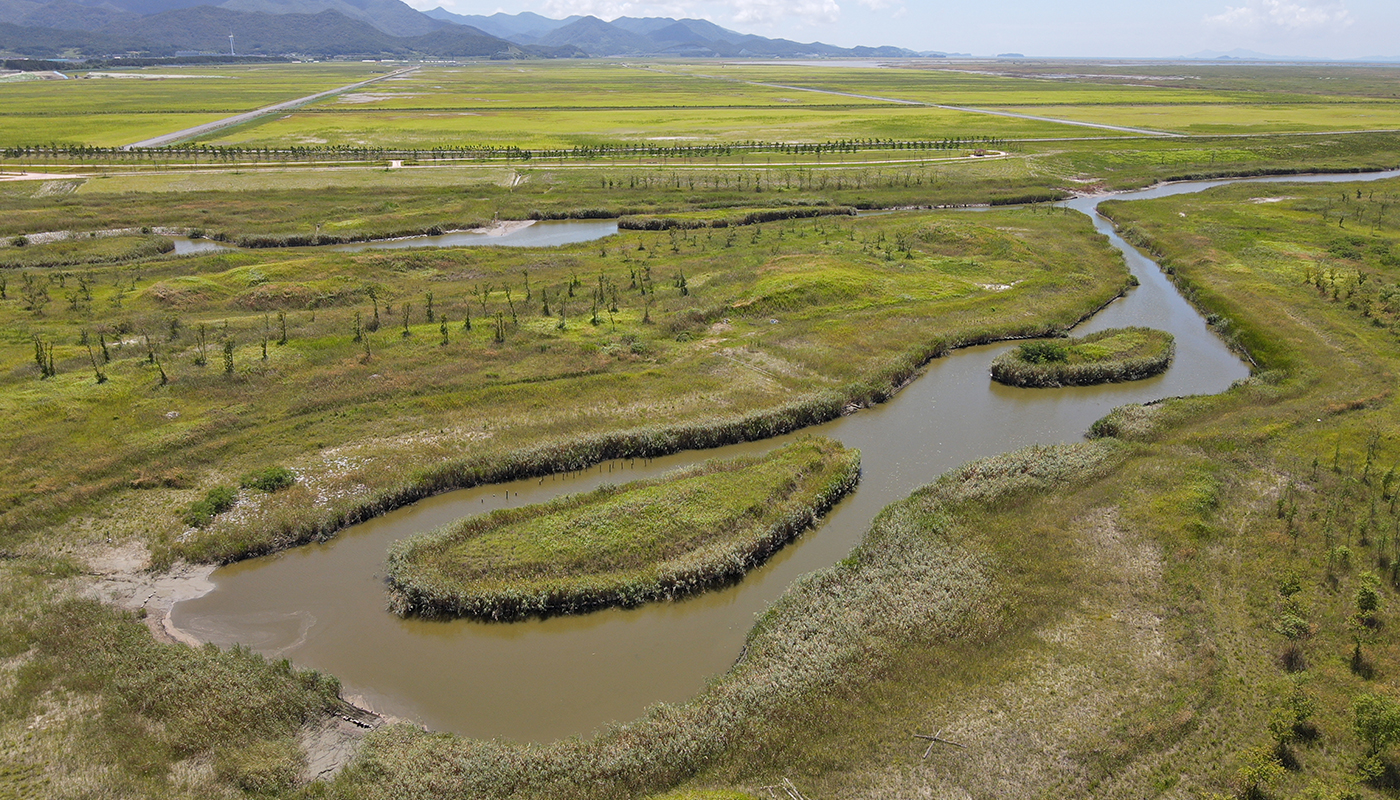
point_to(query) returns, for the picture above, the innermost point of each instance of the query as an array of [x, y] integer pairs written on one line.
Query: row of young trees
[[328, 152]]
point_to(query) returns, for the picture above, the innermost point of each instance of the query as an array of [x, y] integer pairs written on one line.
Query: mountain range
[[380, 28], [661, 36]]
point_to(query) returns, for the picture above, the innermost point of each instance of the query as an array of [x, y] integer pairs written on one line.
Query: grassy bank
[[1108, 356], [622, 545]]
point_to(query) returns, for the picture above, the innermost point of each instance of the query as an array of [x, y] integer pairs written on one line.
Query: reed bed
[[1110, 356], [656, 223], [917, 575], [695, 528]]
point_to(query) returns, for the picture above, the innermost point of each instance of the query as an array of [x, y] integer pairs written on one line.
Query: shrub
[[216, 501], [269, 479], [1043, 352]]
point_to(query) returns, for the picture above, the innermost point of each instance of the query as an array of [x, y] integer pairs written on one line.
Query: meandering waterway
[[323, 605]]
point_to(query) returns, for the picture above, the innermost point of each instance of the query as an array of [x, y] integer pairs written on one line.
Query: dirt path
[[964, 109], [238, 119]]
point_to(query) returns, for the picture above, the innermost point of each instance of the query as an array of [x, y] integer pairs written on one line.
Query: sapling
[[201, 355], [443, 329], [429, 298], [407, 308], [282, 322], [373, 293], [228, 356], [101, 376]]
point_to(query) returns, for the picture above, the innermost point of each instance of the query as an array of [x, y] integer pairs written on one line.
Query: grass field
[[623, 545]]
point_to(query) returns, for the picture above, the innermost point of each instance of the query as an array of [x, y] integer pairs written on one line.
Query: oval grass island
[[1109, 356], [622, 545]]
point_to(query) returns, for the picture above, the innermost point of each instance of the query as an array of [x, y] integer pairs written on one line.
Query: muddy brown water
[[323, 606]]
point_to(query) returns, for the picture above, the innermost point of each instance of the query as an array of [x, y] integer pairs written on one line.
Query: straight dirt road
[[238, 119]]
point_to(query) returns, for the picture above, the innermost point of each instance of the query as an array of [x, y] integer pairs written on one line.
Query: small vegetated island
[[1109, 356], [622, 545]]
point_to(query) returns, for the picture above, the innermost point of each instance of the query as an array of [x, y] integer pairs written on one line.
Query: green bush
[[216, 501], [269, 479], [1043, 352]]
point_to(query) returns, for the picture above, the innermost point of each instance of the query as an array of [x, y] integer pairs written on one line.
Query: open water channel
[[323, 605]]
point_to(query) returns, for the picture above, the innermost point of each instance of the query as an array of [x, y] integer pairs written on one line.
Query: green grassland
[[1116, 354], [622, 545]]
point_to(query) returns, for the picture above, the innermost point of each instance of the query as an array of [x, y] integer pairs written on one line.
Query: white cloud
[[1282, 15], [768, 11], [612, 9]]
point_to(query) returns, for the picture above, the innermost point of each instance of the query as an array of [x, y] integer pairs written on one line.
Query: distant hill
[[393, 17], [67, 15], [390, 28], [206, 28], [636, 36], [523, 28], [596, 37]]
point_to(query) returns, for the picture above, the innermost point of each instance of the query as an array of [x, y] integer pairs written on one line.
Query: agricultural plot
[[535, 85], [113, 111], [660, 126], [1233, 118]]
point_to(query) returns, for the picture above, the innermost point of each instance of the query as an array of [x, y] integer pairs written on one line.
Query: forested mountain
[[324, 28]]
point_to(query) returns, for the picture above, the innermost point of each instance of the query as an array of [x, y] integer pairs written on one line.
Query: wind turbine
[[230, 45]]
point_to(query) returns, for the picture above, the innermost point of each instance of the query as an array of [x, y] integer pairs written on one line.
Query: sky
[[1111, 28]]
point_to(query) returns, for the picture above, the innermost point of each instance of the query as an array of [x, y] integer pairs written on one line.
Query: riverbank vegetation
[[622, 545], [1108, 356]]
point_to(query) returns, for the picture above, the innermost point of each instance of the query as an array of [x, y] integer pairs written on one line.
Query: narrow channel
[[322, 606]]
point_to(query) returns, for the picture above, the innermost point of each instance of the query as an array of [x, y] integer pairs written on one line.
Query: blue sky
[[1116, 28]]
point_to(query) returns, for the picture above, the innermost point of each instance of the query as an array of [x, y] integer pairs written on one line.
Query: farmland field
[[1196, 600]]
